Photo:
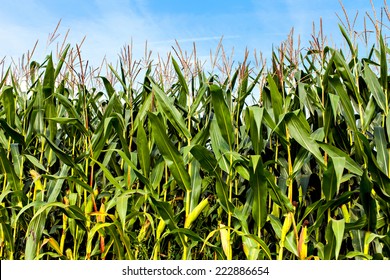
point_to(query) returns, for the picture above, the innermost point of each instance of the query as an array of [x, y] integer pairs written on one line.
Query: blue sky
[[109, 25]]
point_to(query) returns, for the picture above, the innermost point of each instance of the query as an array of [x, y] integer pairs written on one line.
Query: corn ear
[[89, 206], [37, 179], [54, 244], [346, 215], [160, 229], [225, 240], [144, 230], [286, 227], [195, 213], [302, 244], [102, 217], [37, 182], [69, 254], [288, 221], [366, 242]]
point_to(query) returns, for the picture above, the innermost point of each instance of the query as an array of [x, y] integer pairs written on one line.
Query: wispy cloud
[[196, 39], [109, 25]]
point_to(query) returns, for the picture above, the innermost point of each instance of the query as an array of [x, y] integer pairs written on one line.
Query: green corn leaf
[[358, 240], [16, 159], [219, 146], [223, 196], [70, 121], [347, 112], [35, 162], [120, 79], [7, 168], [338, 227], [332, 177], [70, 108], [269, 122], [329, 185], [5, 229], [107, 85], [345, 73], [368, 202], [297, 130], [196, 184], [254, 122], [209, 163], [143, 109], [184, 232], [375, 87], [276, 225], [5, 77], [166, 213], [115, 233], [330, 246], [357, 255], [143, 150], [48, 79], [54, 189], [48, 89], [345, 102], [34, 233], [334, 102], [171, 155], [261, 243], [64, 157], [15, 135], [276, 194], [113, 180], [349, 42], [121, 208], [369, 114], [382, 186], [244, 90], [384, 73], [276, 99], [291, 243], [222, 114], [258, 183], [206, 159], [300, 159], [198, 98], [357, 225], [91, 234], [311, 208], [125, 240], [36, 227], [180, 76], [137, 172], [381, 145], [167, 107], [74, 212], [330, 206], [61, 61], [9, 105], [334, 152]]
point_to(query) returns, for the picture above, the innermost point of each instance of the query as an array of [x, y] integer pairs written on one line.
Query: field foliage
[[245, 162]]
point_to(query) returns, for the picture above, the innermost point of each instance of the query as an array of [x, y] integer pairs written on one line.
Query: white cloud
[[112, 25]]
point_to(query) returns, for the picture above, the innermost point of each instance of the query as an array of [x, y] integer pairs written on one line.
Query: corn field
[[165, 161]]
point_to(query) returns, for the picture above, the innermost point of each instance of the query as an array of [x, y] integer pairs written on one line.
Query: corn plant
[[93, 167]]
